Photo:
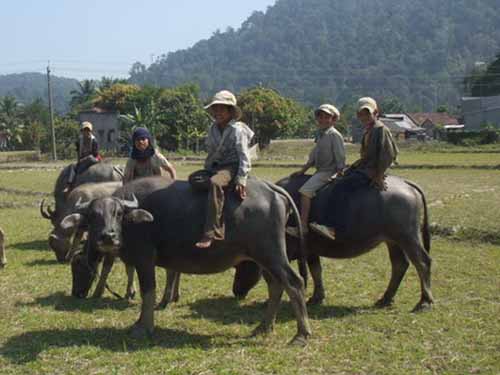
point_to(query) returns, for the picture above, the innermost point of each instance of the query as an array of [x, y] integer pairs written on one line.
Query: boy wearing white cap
[[228, 160], [378, 152], [328, 157]]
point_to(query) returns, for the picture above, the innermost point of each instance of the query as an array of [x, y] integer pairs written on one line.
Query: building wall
[[479, 111], [106, 128]]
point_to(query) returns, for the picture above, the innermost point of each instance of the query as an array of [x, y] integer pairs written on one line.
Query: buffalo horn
[[131, 204], [81, 207], [47, 215]]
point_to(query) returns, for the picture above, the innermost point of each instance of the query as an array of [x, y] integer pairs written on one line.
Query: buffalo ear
[[72, 222], [139, 216]]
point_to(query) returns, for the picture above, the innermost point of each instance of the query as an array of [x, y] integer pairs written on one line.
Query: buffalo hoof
[[97, 294], [315, 300], [422, 306], [300, 340], [130, 295], [384, 302], [137, 331], [240, 296], [161, 306], [262, 330]]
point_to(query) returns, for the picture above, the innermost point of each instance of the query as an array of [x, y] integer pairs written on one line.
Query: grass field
[[44, 330]]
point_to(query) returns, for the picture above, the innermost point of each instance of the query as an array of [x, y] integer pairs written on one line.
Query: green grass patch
[[44, 330]]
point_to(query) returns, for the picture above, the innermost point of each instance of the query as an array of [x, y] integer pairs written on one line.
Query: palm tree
[[82, 96], [148, 117], [10, 120]]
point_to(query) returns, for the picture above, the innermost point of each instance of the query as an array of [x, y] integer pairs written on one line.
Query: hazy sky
[[89, 39]]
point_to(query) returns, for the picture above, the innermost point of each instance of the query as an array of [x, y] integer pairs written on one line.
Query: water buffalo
[[82, 280], [64, 242], [392, 216], [100, 172], [3, 258], [140, 188], [163, 231]]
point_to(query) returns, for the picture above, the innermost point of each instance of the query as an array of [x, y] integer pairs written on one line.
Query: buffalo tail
[[302, 258], [426, 233]]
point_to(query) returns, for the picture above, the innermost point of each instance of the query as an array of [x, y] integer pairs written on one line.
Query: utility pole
[[51, 112]]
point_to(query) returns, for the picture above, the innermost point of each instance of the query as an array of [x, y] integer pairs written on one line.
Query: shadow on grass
[[42, 262], [28, 346], [63, 302], [228, 310], [32, 245]]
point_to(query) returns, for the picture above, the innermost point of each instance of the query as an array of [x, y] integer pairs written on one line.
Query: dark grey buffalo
[[139, 189], [100, 172], [164, 230], [3, 258], [65, 242], [397, 217]]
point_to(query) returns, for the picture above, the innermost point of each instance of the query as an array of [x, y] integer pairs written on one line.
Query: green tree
[[268, 113], [147, 116], [81, 98], [119, 97], [391, 105], [485, 83], [185, 122], [11, 122]]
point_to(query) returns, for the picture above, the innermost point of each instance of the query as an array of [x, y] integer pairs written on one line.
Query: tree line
[[322, 50], [175, 116]]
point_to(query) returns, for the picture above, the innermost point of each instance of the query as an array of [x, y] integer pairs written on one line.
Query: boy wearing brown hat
[[228, 160], [328, 157]]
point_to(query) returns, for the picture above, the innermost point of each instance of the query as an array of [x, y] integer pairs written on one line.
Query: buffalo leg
[[285, 277], [171, 293], [130, 293], [399, 264], [275, 290], [147, 281], [422, 262], [75, 245], [247, 275], [106, 269], [314, 263], [3, 258]]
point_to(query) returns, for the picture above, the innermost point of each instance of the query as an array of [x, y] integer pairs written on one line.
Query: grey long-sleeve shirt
[[329, 153], [234, 149]]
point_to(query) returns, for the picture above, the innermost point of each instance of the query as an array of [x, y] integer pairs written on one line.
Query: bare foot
[[205, 243]]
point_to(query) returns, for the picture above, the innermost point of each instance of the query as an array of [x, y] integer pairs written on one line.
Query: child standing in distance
[[378, 152], [228, 160], [144, 159], [328, 157]]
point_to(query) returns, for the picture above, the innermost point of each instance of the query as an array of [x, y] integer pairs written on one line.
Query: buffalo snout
[[60, 246]]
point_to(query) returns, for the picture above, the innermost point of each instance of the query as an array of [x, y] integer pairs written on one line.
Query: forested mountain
[[316, 50], [27, 87]]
